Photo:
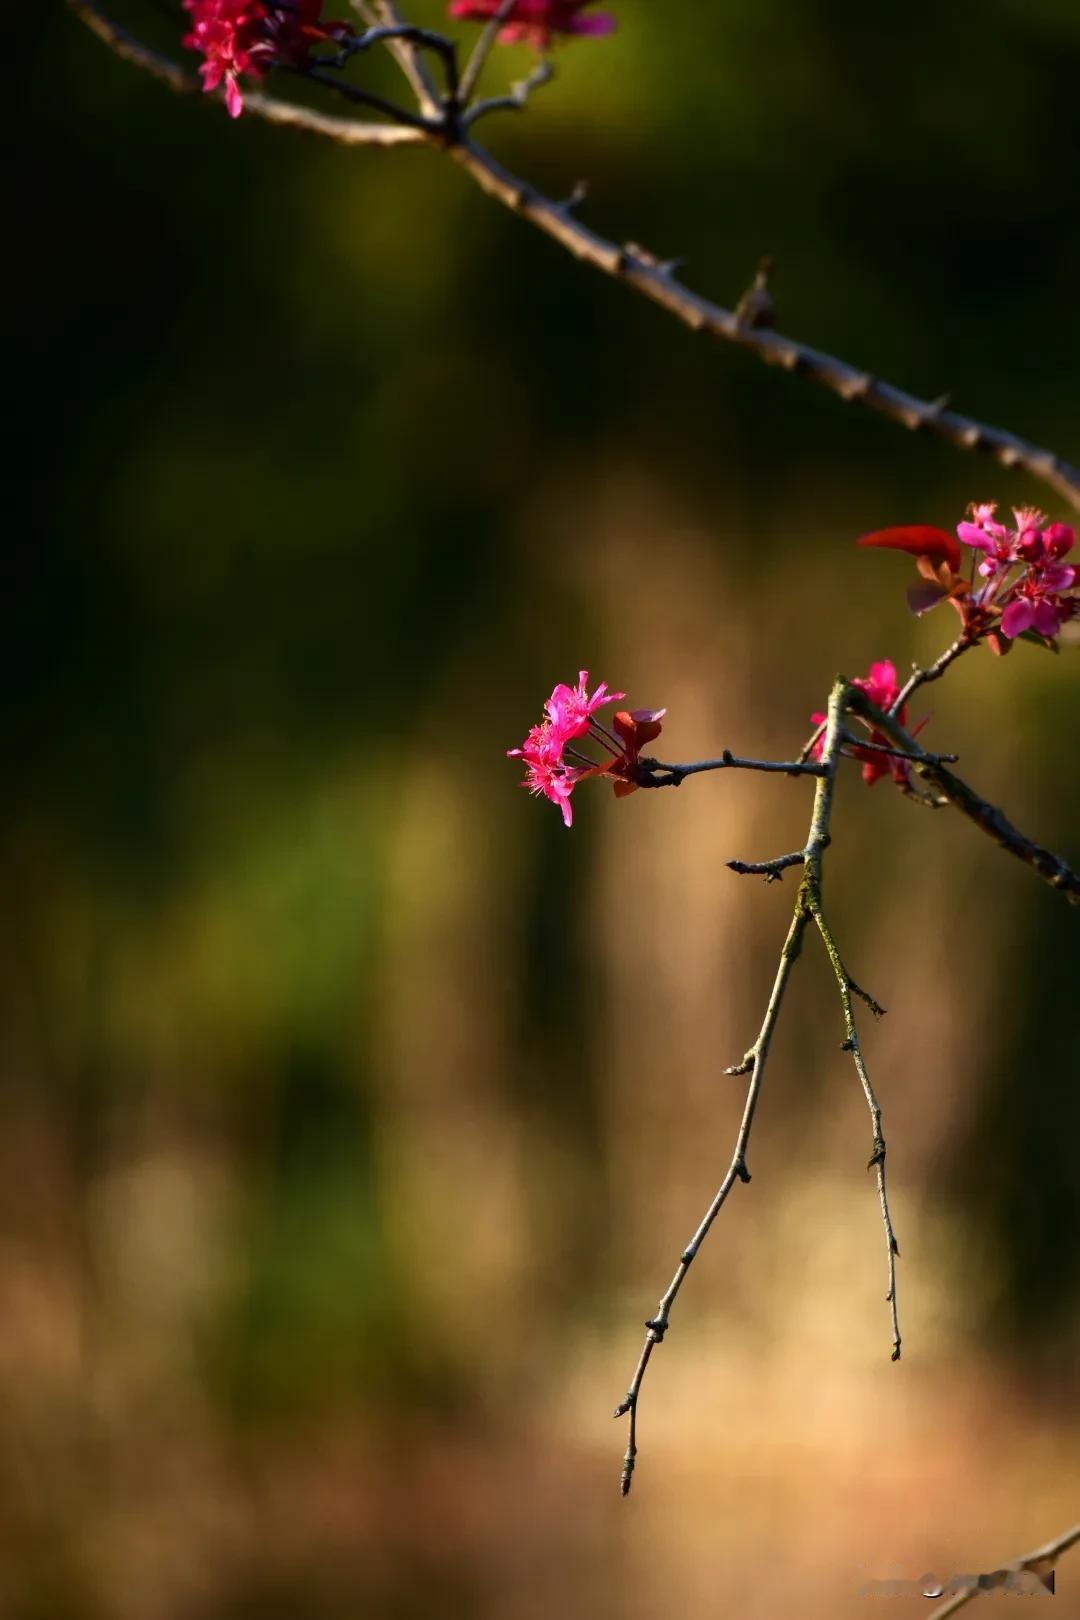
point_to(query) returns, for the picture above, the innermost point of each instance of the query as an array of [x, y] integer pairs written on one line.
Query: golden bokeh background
[[354, 1113]]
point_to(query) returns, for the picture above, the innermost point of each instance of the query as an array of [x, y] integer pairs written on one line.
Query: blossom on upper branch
[[882, 688], [533, 22], [554, 765], [249, 36], [1022, 583]]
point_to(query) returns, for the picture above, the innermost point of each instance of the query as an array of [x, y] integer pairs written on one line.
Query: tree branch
[[655, 280], [408, 56], [517, 99], [987, 817], [807, 904], [347, 131], [651, 277], [674, 774], [934, 672], [848, 990], [482, 49], [754, 1064], [772, 870], [1041, 1562]]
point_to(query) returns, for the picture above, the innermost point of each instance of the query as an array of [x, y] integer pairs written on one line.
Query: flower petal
[[1017, 617], [972, 535]]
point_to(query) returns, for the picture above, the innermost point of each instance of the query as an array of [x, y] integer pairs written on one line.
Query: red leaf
[[918, 540]]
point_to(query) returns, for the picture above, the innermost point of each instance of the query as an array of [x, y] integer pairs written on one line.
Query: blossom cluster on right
[[1018, 580]]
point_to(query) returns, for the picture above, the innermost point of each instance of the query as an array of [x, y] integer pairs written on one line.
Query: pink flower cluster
[[882, 688], [569, 719], [1023, 583], [248, 36], [533, 22], [1026, 580]]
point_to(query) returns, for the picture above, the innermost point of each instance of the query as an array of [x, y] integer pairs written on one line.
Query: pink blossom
[[248, 36], [882, 688], [1030, 613], [571, 708], [570, 720], [533, 22], [1026, 580], [555, 782], [1025, 586]]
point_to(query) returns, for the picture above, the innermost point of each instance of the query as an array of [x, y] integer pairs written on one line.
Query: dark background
[[353, 1112]]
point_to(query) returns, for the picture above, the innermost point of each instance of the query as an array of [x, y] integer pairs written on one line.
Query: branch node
[[756, 308], [875, 1007]]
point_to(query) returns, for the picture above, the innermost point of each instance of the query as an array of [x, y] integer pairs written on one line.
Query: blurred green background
[[354, 1112]]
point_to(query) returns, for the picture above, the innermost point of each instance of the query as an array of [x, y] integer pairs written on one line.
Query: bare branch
[[674, 774], [347, 131], [656, 281], [130, 49], [654, 278], [1041, 1562], [848, 990], [987, 817], [753, 1063], [934, 672], [518, 98], [408, 58], [482, 50], [772, 870], [897, 753], [363, 98]]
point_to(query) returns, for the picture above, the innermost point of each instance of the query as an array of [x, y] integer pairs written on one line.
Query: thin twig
[[674, 774], [811, 742], [934, 672], [986, 816], [848, 990], [470, 78], [361, 97], [347, 131], [897, 753], [753, 1063], [409, 57], [772, 870], [1041, 1562], [517, 99]]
